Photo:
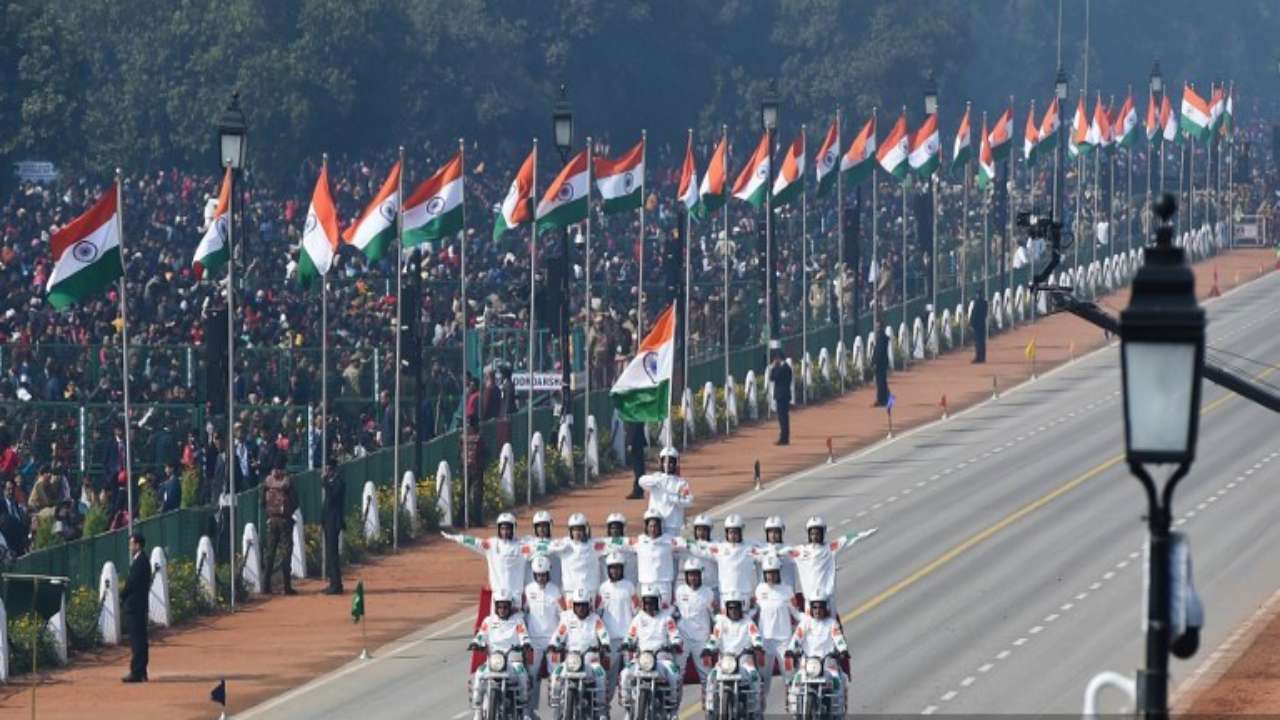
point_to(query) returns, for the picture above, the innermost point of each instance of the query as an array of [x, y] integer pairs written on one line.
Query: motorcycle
[[735, 697], [651, 699], [814, 696], [573, 697], [500, 695]]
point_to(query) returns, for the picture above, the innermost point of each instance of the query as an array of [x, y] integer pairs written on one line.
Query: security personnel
[[780, 375], [978, 321]]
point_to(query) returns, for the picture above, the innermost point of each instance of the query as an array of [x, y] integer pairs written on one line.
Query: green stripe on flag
[[644, 405], [88, 280], [622, 203], [565, 215], [443, 226]]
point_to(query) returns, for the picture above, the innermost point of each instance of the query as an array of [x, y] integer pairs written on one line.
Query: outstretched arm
[[470, 542], [848, 539]]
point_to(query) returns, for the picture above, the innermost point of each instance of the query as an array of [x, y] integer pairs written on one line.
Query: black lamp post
[[1157, 92], [769, 121], [562, 129], [232, 141], [1162, 358], [1059, 163], [931, 108]]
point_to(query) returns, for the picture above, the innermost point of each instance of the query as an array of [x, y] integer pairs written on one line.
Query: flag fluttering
[[86, 254], [320, 234], [621, 181], [435, 208], [642, 392], [517, 206], [375, 229], [212, 252]]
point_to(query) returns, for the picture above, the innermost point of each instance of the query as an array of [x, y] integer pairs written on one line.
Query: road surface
[[1007, 569]]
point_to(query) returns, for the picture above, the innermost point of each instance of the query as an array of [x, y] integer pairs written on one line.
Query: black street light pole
[[562, 128], [769, 119], [1162, 360], [1059, 162], [1157, 92]]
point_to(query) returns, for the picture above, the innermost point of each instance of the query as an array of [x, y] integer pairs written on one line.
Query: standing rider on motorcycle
[[774, 529], [696, 605], [710, 571], [618, 603], [542, 606], [507, 558], [654, 631], [579, 556], [581, 631], [737, 642], [669, 493], [735, 559], [655, 555], [502, 632], [816, 559], [819, 636], [776, 616]]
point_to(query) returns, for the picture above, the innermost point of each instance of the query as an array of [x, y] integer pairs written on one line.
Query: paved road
[[1007, 570]]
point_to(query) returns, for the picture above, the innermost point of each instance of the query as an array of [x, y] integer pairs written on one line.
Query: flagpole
[[842, 262], [688, 278], [231, 371], [466, 387], [1097, 186], [724, 191], [1231, 173], [644, 149], [875, 233], [964, 224], [124, 340], [589, 334], [1031, 205], [324, 367], [1152, 144], [804, 271], [533, 280], [395, 403], [986, 230], [906, 357], [1009, 186]]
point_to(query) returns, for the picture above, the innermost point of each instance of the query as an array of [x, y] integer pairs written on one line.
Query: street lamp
[[562, 124], [931, 96], [1059, 164], [1157, 80], [232, 132], [931, 108], [769, 120], [1162, 358], [562, 129]]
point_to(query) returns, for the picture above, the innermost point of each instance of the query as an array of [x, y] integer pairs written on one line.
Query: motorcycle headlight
[[728, 664], [648, 661], [813, 667], [573, 662], [498, 662]]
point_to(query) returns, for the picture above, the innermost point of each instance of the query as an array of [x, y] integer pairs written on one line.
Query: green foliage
[[190, 487], [25, 632], [223, 577], [354, 546], [186, 600], [313, 539], [95, 521], [148, 502], [82, 619], [45, 536], [428, 513]]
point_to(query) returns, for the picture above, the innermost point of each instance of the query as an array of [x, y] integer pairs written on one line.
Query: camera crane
[[1061, 298]]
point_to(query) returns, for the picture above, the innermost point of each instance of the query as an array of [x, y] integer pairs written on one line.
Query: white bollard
[[824, 364], [564, 441], [298, 559], [709, 407], [205, 569], [158, 602], [664, 433], [948, 329], [892, 346], [109, 602], [904, 341], [444, 493], [841, 360], [4, 643], [753, 402], [538, 456], [591, 453], [507, 474], [859, 361], [409, 500], [686, 411], [730, 403], [917, 339], [618, 439], [369, 511], [252, 553], [57, 627], [806, 369], [996, 312]]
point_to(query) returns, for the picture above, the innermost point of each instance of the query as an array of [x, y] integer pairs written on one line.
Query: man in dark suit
[[13, 520], [136, 597], [780, 376], [113, 457], [880, 359], [636, 443], [335, 496], [978, 321]]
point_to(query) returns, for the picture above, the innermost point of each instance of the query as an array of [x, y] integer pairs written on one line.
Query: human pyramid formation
[[549, 600]]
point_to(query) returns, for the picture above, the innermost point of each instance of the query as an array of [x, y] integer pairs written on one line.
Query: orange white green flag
[[375, 230], [320, 234]]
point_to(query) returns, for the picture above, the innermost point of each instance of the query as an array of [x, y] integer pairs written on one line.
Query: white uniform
[[583, 635], [579, 563], [498, 635], [697, 612], [819, 638], [816, 565], [542, 610], [542, 546], [655, 559], [652, 633], [628, 563], [736, 563], [776, 616], [669, 495], [507, 560], [618, 604], [733, 638], [788, 565]]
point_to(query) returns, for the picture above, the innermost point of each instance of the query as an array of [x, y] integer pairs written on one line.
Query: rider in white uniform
[[502, 632], [579, 556], [507, 557], [540, 543], [696, 605], [819, 635], [776, 616], [655, 555], [669, 493], [710, 571], [653, 630], [581, 631], [542, 607], [617, 602], [735, 559], [774, 529], [816, 559], [615, 526], [734, 636]]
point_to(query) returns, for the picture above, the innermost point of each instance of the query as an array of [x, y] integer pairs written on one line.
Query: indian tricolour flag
[[621, 181], [1001, 135], [1126, 128], [986, 159], [926, 148], [1100, 128], [1050, 123], [434, 210], [212, 252], [642, 392], [790, 180], [827, 159], [1229, 112], [86, 254], [1195, 114], [962, 148], [892, 155], [565, 201], [711, 192], [753, 181], [320, 234], [1168, 123], [1216, 106], [860, 160], [687, 190], [1153, 119], [1031, 136], [1079, 131], [517, 206], [376, 228]]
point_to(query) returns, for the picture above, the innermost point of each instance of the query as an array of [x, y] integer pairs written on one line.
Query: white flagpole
[[964, 223], [906, 357], [395, 403], [804, 267], [324, 359], [644, 149], [466, 389], [724, 135], [841, 263], [875, 232], [533, 280], [684, 325], [229, 445], [124, 340], [986, 231], [590, 331]]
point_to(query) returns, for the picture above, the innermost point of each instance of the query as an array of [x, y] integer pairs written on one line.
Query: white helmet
[[614, 558], [774, 522], [507, 518], [728, 596], [669, 452], [770, 562], [579, 595], [734, 521], [577, 520], [652, 514], [542, 516], [815, 522], [693, 565], [540, 564], [650, 590], [615, 517], [817, 597], [503, 595], [702, 521]]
